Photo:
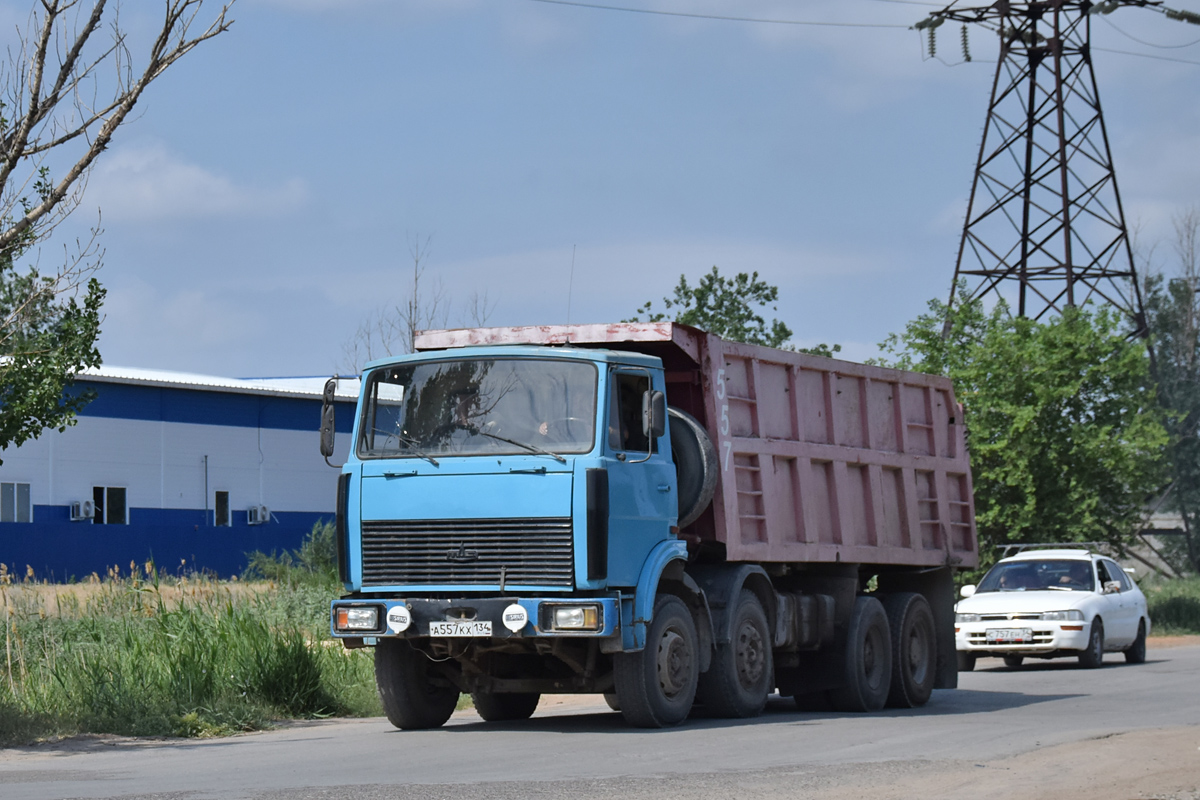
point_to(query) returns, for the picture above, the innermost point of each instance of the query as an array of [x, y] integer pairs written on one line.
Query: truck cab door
[[641, 479]]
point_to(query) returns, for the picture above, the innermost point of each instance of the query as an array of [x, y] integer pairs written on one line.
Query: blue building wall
[[165, 446]]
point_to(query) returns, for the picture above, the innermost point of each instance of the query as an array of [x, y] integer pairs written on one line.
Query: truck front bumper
[[370, 619]]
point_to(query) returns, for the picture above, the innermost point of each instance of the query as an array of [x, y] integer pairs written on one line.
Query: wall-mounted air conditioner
[[258, 515], [82, 509]]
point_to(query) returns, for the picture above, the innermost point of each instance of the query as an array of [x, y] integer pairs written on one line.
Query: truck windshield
[[1030, 575], [479, 407]]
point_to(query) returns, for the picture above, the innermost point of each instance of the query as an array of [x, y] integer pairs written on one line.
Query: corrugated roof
[[298, 387]]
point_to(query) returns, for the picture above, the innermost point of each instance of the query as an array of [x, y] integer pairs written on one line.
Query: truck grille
[[531, 552]]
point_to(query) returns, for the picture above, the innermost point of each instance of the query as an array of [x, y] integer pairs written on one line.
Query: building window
[[110, 505], [221, 510], [14, 503]]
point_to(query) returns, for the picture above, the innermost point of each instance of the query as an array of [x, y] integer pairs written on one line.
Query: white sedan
[[1052, 604]]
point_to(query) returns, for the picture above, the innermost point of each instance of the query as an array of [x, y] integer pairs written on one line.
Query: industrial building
[[191, 471]]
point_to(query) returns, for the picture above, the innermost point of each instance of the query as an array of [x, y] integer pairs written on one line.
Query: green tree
[[723, 306], [1173, 315], [64, 92], [1065, 432]]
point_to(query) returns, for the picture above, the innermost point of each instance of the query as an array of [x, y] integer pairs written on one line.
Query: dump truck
[[683, 524]]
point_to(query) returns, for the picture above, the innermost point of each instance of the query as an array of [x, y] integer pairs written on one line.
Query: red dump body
[[820, 460]]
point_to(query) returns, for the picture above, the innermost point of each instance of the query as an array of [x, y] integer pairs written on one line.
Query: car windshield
[[1028, 575], [479, 406]]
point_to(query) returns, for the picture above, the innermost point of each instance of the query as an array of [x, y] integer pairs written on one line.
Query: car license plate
[[1010, 635], [460, 628]]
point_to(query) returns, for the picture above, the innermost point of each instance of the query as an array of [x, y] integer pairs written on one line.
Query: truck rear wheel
[[868, 660], [740, 678], [413, 695], [505, 707], [914, 649], [656, 686]]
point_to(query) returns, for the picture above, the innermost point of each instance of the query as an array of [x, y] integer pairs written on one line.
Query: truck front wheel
[[868, 660], [656, 686], [414, 696], [739, 680]]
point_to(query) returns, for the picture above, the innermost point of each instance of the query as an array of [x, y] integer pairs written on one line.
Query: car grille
[[1006, 617], [515, 552]]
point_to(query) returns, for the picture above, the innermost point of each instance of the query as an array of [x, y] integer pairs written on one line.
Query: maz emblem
[[462, 555]]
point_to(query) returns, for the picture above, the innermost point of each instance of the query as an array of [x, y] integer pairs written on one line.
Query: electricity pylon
[[1045, 212]]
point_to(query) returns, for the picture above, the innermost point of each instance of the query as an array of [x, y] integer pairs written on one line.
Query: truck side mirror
[[327, 430], [654, 414]]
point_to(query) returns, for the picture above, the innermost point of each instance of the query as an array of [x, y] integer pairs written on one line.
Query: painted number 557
[[726, 445]]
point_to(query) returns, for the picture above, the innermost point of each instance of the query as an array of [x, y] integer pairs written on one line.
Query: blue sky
[[264, 201]]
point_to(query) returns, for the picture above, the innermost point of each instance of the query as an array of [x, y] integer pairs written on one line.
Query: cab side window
[[625, 412]]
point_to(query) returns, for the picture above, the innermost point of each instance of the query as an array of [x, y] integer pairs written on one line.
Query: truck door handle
[[664, 487], [412, 474]]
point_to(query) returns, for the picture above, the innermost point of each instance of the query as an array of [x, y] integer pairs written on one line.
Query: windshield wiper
[[415, 449], [533, 448]]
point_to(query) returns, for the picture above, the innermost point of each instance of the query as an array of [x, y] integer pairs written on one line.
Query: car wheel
[[966, 661], [1012, 662], [414, 695], [1136, 654], [1093, 656]]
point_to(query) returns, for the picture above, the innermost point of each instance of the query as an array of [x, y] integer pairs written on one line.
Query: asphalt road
[[583, 750]]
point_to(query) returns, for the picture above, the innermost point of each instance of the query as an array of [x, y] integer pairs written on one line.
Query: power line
[[1148, 44], [654, 12], [1147, 55]]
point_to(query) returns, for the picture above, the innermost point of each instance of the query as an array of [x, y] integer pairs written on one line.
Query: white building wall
[[161, 464]]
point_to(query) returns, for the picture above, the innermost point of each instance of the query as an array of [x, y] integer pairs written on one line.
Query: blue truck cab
[[513, 501]]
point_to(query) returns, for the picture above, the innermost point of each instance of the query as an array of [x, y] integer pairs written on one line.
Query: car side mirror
[[1111, 587], [654, 414], [327, 429], [968, 590]]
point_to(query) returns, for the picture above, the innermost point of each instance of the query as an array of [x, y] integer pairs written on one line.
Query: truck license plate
[[460, 628], [1010, 635]]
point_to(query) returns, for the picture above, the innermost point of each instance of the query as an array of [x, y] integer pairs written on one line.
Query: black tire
[[414, 696], [740, 677], [966, 661], [656, 686], [1093, 656], [914, 649], [696, 468], [613, 702], [867, 674], [1136, 654], [1012, 662], [505, 707]]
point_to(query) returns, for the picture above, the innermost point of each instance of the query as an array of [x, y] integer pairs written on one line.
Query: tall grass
[[140, 654], [1174, 606]]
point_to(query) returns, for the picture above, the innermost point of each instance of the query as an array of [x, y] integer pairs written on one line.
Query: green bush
[[202, 662], [1174, 606], [314, 564]]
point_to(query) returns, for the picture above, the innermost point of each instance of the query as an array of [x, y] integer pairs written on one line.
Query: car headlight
[[966, 618], [1062, 616]]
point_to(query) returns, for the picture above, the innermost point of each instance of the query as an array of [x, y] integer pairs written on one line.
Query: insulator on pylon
[[932, 42], [1182, 16], [965, 44]]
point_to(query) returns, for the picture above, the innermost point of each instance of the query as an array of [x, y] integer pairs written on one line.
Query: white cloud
[[150, 183]]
